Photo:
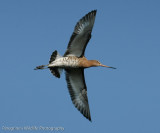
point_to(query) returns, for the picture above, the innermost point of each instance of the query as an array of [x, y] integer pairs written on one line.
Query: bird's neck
[[86, 63]]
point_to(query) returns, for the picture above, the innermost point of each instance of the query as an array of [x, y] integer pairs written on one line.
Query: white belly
[[65, 62]]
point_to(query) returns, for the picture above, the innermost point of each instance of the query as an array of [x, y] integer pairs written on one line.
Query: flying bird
[[74, 62]]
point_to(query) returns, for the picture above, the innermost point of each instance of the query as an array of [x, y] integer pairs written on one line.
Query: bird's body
[[74, 63], [66, 62]]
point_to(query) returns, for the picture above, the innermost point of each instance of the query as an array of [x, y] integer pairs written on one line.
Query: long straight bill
[[107, 66]]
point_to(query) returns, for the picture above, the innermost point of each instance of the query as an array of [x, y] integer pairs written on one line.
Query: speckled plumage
[[65, 62]]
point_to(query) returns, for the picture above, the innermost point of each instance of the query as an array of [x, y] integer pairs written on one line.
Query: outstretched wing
[[78, 90], [81, 35]]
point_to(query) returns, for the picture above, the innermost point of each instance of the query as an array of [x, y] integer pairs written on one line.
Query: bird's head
[[97, 63]]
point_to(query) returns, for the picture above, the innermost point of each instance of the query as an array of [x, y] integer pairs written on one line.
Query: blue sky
[[126, 35]]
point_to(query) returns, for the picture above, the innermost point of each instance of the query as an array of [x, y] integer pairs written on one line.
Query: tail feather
[[55, 70], [55, 55]]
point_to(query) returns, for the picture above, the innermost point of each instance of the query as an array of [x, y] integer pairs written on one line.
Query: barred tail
[[55, 70]]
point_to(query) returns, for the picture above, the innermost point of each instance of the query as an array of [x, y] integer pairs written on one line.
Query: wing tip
[[89, 118], [85, 112], [86, 115], [88, 16], [92, 12]]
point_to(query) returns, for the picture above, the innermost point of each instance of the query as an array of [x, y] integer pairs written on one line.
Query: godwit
[[74, 63]]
